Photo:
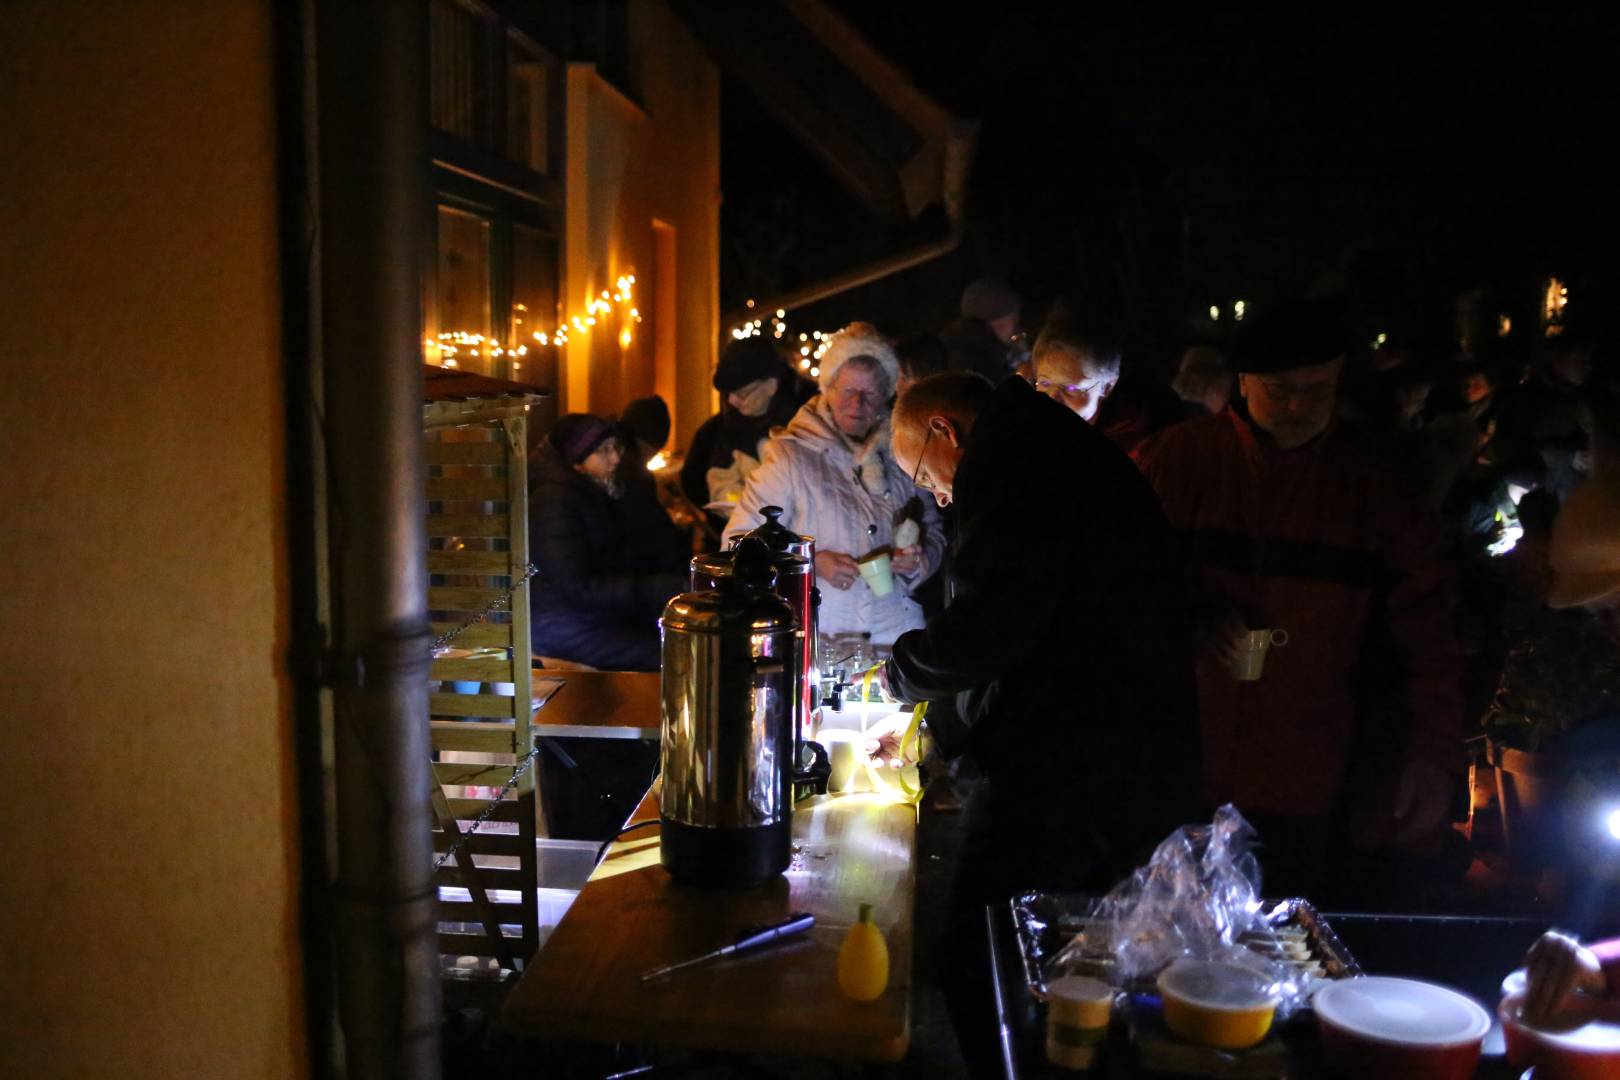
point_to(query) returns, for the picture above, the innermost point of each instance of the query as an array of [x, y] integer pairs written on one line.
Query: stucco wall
[[147, 901], [631, 158]]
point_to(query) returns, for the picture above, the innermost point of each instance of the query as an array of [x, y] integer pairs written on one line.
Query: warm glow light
[[815, 373], [657, 461], [1239, 308], [1381, 339], [1504, 326], [781, 314], [625, 338], [1214, 313], [805, 362]]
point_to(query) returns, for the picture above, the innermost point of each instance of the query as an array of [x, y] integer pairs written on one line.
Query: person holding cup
[[834, 475], [1347, 744]]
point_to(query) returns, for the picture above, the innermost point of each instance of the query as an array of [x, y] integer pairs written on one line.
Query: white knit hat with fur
[[858, 339]]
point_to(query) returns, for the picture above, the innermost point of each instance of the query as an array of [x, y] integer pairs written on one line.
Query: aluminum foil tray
[[1046, 922]]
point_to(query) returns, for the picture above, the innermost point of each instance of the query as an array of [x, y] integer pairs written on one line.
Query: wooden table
[[584, 985], [599, 704]]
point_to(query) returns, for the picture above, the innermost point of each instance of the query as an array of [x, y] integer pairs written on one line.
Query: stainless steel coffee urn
[[729, 687], [795, 562]]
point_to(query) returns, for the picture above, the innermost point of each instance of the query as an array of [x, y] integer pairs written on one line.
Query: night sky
[[1147, 163]]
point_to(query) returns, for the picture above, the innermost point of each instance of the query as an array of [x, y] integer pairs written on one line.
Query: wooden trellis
[[481, 695]]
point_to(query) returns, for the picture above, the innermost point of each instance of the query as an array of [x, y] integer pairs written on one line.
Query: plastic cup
[[1250, 660], [877, 572]]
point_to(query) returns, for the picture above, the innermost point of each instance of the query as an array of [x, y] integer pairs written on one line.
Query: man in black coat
[[761, 392], [1063, 658]]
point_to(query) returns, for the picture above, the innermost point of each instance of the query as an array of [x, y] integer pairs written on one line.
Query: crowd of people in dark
[[1297, 573]]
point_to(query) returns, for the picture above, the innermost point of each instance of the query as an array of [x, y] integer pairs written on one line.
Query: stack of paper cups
[[1077, 1009]]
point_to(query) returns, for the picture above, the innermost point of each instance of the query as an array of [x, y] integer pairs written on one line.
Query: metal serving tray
[[1047, 922]]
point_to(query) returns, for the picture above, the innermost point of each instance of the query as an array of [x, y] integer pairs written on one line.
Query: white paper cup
[[878, 572], [1251, 654]]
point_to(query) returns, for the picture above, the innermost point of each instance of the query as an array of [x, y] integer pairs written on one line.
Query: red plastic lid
[[1402, 1011]]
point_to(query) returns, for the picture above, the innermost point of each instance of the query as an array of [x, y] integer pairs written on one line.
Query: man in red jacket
[[1352, 732]]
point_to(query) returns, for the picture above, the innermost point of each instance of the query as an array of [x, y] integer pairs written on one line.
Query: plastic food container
[[1216, 1004], [1077, 1014], [1399, 1029], [1580, 1043]]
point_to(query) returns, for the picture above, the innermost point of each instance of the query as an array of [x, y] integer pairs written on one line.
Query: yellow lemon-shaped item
[[863, 960]]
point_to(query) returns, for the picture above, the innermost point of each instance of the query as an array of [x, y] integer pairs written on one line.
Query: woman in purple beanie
[[597, 597]]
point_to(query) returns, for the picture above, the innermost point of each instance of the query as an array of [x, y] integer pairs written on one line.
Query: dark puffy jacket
[[1064, 651], [1330, 543], [595, 600]]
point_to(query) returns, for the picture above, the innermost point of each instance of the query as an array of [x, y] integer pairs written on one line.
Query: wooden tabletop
[[598, 704], [848, 850]]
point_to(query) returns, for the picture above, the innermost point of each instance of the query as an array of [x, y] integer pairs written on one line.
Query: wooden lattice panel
[[480, 701]]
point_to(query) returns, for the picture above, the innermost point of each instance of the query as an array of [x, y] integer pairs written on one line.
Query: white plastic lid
[[1078, 988], [1213, 985], [1402, 1011]]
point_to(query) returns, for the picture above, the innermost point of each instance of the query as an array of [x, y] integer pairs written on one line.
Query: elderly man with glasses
[[1062, 662], [1349, 741]]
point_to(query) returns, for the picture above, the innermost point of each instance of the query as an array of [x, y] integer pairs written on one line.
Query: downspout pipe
[[958, 160], [371, 89]]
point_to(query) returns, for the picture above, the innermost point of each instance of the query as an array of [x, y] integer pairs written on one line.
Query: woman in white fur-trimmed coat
[[833, 473]]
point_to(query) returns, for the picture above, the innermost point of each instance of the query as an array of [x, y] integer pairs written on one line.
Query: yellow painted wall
[[653, 153], [147, 896]]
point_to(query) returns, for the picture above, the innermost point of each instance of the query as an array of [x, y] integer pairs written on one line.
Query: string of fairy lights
[[812, 343], [452, 347]]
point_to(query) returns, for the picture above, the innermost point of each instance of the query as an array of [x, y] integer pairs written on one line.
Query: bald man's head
[[930, 427]]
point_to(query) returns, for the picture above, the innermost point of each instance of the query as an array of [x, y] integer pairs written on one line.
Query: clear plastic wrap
[[1197, 898]]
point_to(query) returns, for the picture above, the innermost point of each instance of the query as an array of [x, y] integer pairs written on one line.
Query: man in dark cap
[[1347, 738], [644, 429], [761, 392]]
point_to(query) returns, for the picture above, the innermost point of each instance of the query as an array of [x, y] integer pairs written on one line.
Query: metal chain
[[484, 815], [500, 603]]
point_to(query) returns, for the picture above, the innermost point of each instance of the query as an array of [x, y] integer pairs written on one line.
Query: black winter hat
[[648, 420], [1293, 334], [747, 361]]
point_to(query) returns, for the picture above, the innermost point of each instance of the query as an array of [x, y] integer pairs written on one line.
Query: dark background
[[1147, 163]]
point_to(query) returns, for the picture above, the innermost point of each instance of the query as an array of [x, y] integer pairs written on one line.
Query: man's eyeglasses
[[916, 472]]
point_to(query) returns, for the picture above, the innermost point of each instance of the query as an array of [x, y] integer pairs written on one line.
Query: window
[[459, 74], [462, 306], [527, 104], [491, 284]]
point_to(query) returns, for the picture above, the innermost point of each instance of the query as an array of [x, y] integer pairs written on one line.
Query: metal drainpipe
[[959, 149], [371, 95]]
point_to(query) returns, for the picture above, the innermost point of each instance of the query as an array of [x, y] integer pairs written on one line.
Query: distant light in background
[[657, 461], [1504, 326], [625, 338], [1554, 298], [1239, 308], [815, 373], [1214, 313]]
